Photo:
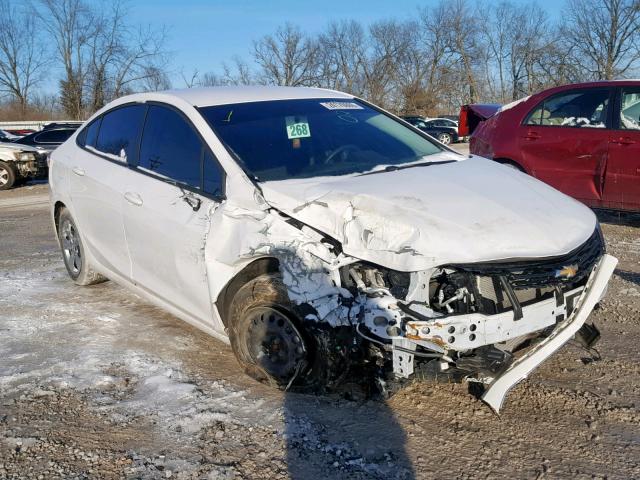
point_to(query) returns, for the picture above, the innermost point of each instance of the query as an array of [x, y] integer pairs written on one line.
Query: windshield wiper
[[394, 168]]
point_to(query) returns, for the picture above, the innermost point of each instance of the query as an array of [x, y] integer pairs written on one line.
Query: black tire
[[444, 138], [271, 343], [7, 176], [73, 253]]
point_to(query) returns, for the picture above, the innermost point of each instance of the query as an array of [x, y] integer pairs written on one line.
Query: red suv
[[583, 139]]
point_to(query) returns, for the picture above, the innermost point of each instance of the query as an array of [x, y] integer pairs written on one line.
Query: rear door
[[622, 180], [166, 211], [99, 172], [564, 142]]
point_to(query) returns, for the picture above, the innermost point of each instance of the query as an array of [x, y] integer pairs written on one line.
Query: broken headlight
[[24, 156], [369, 278]]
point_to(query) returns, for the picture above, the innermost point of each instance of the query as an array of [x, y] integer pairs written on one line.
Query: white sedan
[[318, 234]]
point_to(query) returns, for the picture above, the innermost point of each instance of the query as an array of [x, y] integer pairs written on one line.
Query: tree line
[[439, 57]]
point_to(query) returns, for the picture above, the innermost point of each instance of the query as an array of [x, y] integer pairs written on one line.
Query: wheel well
[[56, 213], [254, 269], [510, 162]]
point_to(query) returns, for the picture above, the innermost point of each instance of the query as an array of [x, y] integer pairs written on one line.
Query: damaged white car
[[323, 237]]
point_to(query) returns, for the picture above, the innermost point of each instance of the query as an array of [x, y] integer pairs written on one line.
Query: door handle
[[133, 199], [532, 136], [193, 201], [78, 171], [623, 141]]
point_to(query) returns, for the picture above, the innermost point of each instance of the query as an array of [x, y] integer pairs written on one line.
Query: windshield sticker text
[[341, 106]]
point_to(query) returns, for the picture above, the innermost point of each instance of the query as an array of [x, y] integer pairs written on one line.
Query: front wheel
[[444, 138], [73, 252], [7, 176], [271, 344]]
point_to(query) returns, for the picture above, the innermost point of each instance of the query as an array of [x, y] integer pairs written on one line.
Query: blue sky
[[203, 34]]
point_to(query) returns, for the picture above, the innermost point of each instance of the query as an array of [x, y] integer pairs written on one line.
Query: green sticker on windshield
[[297, 127]]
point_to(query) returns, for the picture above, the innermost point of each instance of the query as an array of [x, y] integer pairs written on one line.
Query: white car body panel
[[166, 239], [471, 211], [139, 231], [96, 189]]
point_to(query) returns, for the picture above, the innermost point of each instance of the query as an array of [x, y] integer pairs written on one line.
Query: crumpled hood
[[474, 210]]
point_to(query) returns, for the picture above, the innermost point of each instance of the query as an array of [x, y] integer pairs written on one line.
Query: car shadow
[[330, 437], [632, 277], [615, 217]]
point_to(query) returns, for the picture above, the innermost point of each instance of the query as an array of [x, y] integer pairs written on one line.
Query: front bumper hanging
[[520, 368]]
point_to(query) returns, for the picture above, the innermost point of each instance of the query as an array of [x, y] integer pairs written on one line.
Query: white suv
[[319, 234]]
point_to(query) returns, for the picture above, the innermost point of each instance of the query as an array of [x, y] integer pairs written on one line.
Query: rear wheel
[[73, 252], [7, 176], [444, 138]]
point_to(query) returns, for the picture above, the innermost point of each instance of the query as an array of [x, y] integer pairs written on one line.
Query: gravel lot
[[96, 383]]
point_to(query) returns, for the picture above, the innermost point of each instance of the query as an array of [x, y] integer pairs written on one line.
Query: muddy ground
[[96, 383]]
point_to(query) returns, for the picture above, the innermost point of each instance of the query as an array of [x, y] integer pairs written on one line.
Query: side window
[[119, 131], [585, 108], [213, 177], [53, 136], [630, 109], [170, 147], [91, 138]]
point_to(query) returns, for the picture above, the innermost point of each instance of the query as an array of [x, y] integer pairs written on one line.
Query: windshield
[[283, 139]]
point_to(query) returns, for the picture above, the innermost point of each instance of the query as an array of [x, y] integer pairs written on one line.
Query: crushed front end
[[487, 322]]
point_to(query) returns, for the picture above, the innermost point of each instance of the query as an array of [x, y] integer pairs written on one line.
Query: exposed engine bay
[[468, 321]]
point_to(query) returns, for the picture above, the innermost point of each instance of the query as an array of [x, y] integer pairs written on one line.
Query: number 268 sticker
[[297, 127]]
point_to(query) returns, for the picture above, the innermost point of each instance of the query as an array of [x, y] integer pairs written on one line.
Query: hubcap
[[71, 247], [445, 139], [4, 176], [274, 343]]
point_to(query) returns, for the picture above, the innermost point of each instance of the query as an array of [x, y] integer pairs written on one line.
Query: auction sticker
[[341, 106], [297, 127]]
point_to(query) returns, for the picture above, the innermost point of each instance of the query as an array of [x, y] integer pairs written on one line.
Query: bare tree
[[518, 41], [287, 58], [604, 35], [71, 25], [103, 57], [190, 79], [155, 79], [464, 31], [22, 57], [343, 57]]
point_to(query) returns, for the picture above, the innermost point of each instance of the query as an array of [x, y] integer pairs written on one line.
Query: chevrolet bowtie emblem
[[568, 271]]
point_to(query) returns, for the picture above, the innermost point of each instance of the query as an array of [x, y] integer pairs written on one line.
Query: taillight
[[463, 121]]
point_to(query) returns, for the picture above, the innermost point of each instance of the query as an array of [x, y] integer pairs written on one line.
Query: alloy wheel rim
[[4, 176], [445, 139], [71, 247], [274, 343]]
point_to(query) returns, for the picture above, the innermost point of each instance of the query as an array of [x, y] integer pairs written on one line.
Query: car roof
[[209, 96]]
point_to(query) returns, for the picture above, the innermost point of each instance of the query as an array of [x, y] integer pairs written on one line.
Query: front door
[[167, 206], [622, 182], [564, 142]]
